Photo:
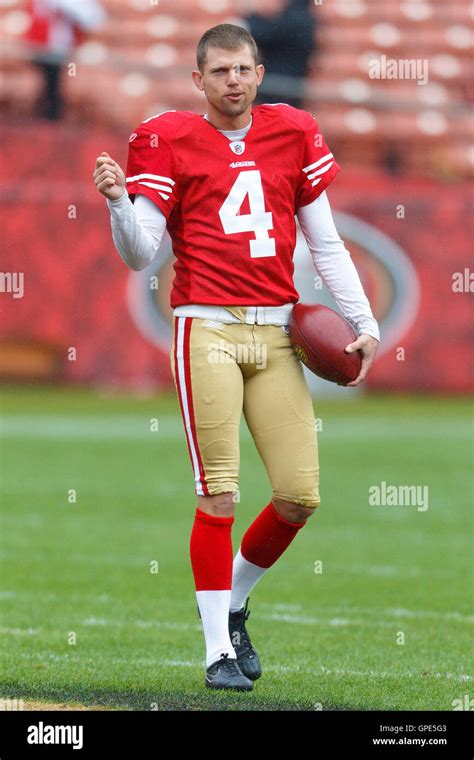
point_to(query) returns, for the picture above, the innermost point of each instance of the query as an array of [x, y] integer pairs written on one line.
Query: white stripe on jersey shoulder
[[318, 163], [320, 171], [138, 177], [158, 187], [172, 110]]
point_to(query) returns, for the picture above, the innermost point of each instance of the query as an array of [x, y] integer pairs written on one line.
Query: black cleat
[[226, 674], [247, 657]]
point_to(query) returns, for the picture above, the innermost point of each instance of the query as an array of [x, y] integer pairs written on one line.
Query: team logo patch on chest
[[237, 147]]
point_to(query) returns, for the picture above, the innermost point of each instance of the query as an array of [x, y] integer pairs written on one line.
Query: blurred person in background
[[284, 31], [56, 28]]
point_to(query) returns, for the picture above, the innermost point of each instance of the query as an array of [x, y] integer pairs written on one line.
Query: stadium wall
[[73, 312]]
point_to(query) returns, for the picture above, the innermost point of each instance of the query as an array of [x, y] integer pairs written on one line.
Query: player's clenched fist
[[109, 177]]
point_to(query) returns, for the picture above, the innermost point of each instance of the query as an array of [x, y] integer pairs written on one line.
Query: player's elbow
[[134, 262], [138, 264]]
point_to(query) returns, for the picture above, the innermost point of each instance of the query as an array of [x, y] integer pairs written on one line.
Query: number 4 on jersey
[[258, 221]]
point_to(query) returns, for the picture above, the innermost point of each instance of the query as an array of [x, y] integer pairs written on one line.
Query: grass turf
[[85, 620]]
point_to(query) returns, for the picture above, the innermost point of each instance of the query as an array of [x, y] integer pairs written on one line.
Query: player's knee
[[291, 511], [220, 505]]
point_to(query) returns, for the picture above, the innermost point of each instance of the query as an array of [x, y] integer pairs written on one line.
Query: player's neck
[[228, 123]]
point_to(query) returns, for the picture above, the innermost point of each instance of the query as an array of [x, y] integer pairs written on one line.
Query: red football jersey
[[230, 206]]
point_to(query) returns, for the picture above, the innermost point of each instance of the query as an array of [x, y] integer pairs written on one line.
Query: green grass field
[[85, 620]]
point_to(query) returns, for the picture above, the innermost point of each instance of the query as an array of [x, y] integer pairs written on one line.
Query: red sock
[[211, 552], [268, 537]]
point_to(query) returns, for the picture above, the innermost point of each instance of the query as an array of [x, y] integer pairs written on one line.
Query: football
[[319, 336]]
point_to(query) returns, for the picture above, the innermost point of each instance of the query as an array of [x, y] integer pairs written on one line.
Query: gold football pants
[[221, 370]]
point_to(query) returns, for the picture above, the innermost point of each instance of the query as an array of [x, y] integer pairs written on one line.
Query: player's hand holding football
[[367, 345], [109, 177]]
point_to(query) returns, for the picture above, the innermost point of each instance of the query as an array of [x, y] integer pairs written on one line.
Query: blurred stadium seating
[[138, 64]]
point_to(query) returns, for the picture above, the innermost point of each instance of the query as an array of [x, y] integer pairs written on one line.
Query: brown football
[[319, 336]]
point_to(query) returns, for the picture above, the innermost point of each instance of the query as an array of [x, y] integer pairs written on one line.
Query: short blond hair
[[227, 37]]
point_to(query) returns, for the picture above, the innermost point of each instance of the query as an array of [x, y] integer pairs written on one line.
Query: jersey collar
[[255, 115]]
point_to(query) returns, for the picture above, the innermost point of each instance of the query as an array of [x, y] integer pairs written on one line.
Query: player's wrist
[[113, 202], [371, 332]]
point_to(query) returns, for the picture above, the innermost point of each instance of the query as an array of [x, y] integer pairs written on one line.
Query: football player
[[227, 185]]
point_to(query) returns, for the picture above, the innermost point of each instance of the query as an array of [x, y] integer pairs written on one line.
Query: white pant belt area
[[260, 315]]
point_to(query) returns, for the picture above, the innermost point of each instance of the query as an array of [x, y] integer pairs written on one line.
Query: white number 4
[[258, 221]]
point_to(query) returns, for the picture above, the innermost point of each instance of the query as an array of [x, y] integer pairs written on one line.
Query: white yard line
[[318, 671], [18, 594], [337, 622], [323, 670], [332, 615], [165, 624], [305, 620], [398, 612], [135, 427], [100, 428]]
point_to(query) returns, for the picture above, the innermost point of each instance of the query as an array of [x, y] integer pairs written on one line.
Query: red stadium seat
[[140, 63]]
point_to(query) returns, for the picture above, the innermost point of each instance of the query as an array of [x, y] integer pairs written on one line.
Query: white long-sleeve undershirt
[[333, 262], [138, 229]]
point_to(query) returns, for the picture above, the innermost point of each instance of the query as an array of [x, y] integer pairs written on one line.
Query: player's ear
[[197, 79], [260, 73]]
